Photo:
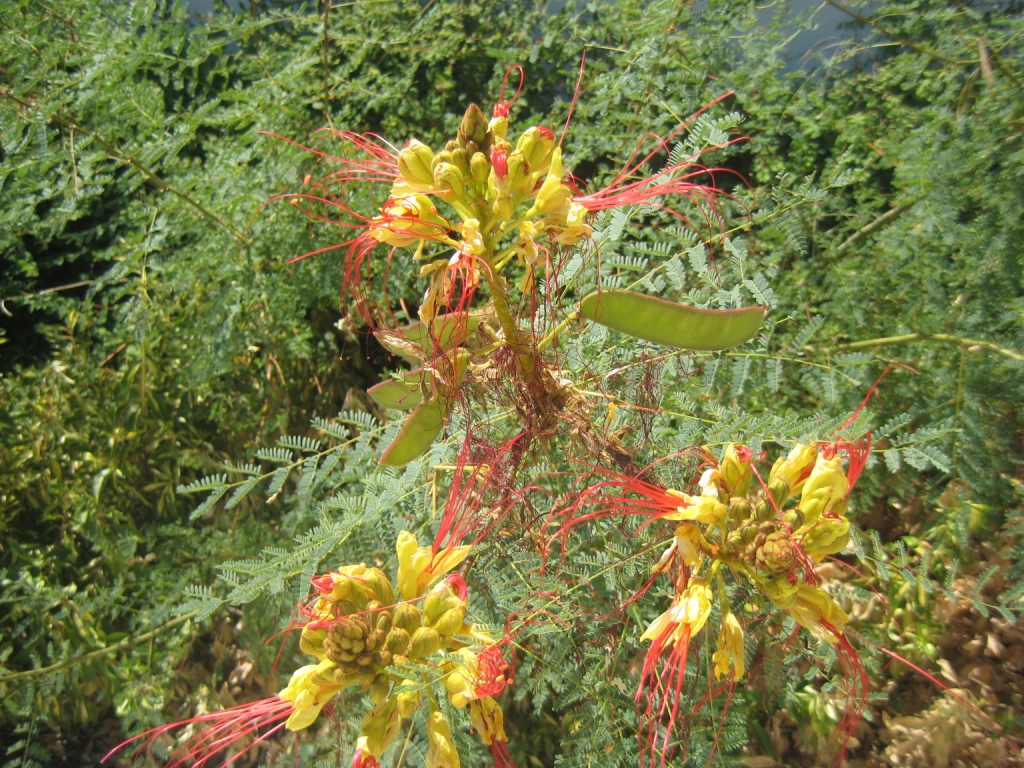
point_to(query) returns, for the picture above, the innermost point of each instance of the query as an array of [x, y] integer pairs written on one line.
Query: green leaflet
[[674, 325], [401, 394]]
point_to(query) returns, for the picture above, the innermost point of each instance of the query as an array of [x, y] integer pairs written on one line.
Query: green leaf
[[674, 325]]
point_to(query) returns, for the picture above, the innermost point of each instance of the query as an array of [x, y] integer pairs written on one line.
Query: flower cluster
[[767, 534], [363, 636]]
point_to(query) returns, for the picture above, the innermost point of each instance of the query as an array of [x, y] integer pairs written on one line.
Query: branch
[[125, 644], [971, 345], [901, 40], [115, 154], [874, 226]]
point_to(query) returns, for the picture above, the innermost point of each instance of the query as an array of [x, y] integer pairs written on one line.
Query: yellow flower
[[699, 509], [690, 610], [825, 490], [442, 752], [736, 470], [488, 719], [407, 220], [730, 648], [379, 728], [309, 689], [827, 536], [553, 194], [793, 469], [689, 543], [419, 567], [814, 605]]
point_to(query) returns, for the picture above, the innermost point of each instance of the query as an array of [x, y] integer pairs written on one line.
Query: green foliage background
[[155, 330]]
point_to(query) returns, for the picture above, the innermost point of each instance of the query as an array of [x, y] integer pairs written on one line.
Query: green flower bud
[[444, 156], [474, 126], [449, 182], [380, 585], [415, 163], [537, 144], [424, 641], [739, 509], [777, 554], [480, 168], [397, 640], [311, 641], [460, 159], [793, 518], [778, 489], [407, 617], [826, 537]]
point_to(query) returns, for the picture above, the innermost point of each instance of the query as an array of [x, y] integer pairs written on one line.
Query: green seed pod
[[407, 617], [424, 641]]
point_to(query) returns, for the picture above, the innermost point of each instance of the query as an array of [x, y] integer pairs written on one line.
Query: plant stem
[[942, 338], [125, 644]]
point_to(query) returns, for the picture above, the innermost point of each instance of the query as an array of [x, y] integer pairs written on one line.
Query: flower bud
[[397, 640], [777, 554], [739, 509], [473, 126], [444, 612], [407, 617], [311, 641], [424, 641], [380, 585], [795, 468], [449, 182], [415, 163], [553, 194], [479, 168], [460, 159], [518, 178], [537, 144], [825, 490], [497, 128], [793, 519], [778, 489]]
